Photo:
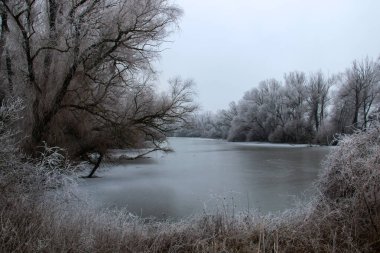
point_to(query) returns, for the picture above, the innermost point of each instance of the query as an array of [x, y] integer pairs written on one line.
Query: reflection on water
[[202, 173]]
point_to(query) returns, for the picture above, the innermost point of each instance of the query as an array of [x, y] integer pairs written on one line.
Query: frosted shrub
[[353, 169], [21, 174], [344, 216], [350, 185], [10, 113]]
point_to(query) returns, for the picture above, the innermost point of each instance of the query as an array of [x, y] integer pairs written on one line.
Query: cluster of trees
[[83, 70], [301, 109]]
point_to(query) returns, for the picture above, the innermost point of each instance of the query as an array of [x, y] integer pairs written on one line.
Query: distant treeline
[[301, 109]]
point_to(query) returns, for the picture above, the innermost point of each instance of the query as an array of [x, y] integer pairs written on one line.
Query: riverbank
[[343, 217]]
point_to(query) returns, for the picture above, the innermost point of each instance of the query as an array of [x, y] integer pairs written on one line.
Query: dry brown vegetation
[[40, 211]]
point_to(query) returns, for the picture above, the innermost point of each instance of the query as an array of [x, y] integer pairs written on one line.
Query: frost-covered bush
[[353, 169], [21, 174], [10, 113], [344, 215], [350, 184], [34, 177]]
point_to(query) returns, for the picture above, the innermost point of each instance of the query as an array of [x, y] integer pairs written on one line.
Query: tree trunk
[[356, 112], [316, 118], [355, 120], [364, 115], [52, 40], [96, 165], [8, 63]]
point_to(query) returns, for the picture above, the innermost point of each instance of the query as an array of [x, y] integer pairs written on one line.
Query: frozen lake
[[204, 175]]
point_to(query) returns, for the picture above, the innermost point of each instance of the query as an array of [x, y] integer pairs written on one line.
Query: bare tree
[[318, 89], [143, 119], [85, 58], [295, 101], [360, 90]]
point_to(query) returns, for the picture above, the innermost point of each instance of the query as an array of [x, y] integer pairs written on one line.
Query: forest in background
[[302, 108]]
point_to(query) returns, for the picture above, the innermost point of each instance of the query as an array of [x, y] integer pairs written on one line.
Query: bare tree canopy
[[84, 69], [358, 94]]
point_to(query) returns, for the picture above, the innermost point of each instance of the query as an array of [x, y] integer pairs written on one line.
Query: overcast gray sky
[[229, 46]]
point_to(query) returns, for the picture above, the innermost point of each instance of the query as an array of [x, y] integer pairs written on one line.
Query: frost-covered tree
[[296, 95], [318, 88], [84, 70], [224, 119], [273, 112], [357, 96]]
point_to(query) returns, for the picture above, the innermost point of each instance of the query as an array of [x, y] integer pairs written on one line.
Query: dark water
[[205, 175]]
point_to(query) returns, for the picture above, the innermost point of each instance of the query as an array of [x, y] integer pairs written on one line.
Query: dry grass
[[41, 212]]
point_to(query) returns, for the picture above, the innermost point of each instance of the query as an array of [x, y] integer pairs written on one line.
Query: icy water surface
[[204, 175]]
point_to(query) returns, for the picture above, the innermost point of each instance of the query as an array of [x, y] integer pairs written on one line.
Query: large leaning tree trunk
[[81, 57]]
